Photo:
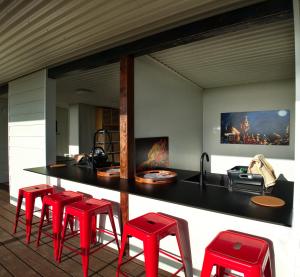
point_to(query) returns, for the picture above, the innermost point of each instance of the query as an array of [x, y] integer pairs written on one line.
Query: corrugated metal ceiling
[[38, 33], [261, 53], [103, 83], [256, 54]]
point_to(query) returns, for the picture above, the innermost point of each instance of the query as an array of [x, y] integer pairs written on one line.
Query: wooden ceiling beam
[[242, 18]]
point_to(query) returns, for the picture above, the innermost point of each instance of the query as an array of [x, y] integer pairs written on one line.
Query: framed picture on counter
[[260, 127], [152, 153]]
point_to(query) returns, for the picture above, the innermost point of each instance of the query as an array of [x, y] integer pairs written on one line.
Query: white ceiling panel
[[261, 53], [100, 87]]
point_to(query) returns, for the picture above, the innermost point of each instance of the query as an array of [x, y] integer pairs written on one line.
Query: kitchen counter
[[213, 198]]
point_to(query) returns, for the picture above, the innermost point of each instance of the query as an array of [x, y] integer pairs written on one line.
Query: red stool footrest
[[170, 255], [24, 214], [21, 215]]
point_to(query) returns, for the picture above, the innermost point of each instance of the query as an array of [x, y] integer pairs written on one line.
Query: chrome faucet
[[204, 155]]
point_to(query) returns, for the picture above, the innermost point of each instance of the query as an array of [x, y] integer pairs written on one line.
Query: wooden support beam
[[127, 157], [127, 118], [243, 18]]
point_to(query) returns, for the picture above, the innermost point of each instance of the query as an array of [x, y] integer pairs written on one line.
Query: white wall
[[31, 128], [74, 129], [82, 128], [3, 141], [167, 105], [250, 97], [87, 127], [50, 112], [62, 134]]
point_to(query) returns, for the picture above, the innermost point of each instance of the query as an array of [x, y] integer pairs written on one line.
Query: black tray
[[240, 180]]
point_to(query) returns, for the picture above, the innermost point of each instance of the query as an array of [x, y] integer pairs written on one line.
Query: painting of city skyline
[[259, 127]]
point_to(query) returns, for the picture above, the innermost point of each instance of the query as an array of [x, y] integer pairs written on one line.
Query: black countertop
[[216, 199]]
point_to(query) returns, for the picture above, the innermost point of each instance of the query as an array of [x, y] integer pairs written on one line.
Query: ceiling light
[[81, 91]]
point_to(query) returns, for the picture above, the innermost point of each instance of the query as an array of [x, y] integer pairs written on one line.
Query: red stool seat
[[237, 251], [30, 194], [151, 228], [86, 212], [57, 201]]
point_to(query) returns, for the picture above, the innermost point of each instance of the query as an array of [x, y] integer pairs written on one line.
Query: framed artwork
[[152, 153], [260, 128]]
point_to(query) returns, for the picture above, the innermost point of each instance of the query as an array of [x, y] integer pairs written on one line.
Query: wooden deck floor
[[19, 259]]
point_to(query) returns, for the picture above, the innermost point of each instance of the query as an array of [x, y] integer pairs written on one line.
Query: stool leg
[[220, 271], [46, 210], [151, 252], [121, 253], [101, 225], [207, 267], [29, 207], [71, 223], [57, 216], [41, 224], [255, 272], [268, 269], [180, 241], [63, 234], [94, 229], [117, 212], [112, 222], [85, 240], [19, 203]]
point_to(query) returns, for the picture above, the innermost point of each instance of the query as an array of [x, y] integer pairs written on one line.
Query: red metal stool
[[86, 212], [239, 252], [151, 228], [30, 194], [57, 201]]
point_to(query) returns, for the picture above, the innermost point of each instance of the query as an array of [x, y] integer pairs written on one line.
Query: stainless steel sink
[[210, 179]]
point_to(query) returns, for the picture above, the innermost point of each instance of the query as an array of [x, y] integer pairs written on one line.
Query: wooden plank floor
[[19, 259]]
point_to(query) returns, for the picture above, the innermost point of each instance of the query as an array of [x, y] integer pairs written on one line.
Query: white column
[[31, 128], [82, 128]]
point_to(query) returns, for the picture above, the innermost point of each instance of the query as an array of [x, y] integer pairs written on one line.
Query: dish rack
[[240, 180]]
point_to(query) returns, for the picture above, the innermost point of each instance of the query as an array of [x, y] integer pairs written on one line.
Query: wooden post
[[127, 118], [127, 159]]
